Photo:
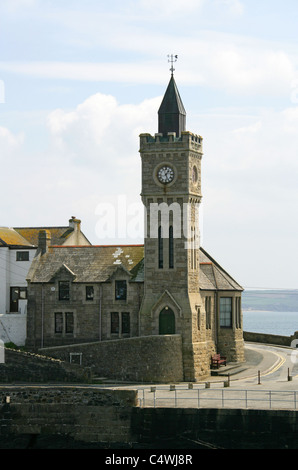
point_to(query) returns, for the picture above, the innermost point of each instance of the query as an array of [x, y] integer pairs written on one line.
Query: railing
[[217, 398]]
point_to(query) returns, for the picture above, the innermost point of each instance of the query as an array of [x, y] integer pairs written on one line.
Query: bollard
[[207, 384], [259, 377], [172, 388], [226, 384], [153, 389], [289, 376], [190, 386]]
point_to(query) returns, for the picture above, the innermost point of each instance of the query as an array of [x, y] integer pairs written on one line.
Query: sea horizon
[[270, 322]]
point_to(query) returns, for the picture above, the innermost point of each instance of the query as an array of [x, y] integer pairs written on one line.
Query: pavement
[[261, 359], [267, 380]]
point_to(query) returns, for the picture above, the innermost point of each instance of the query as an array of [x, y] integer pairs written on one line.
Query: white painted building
[[16, 255], [17, 249]]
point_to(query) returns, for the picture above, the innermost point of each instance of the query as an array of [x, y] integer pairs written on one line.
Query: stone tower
[[171, 194]]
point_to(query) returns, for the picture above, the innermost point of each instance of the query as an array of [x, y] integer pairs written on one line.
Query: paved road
[[247, 389]]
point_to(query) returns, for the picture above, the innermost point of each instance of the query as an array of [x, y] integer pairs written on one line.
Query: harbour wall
[[269, 338], [81, 413], [92, 415]]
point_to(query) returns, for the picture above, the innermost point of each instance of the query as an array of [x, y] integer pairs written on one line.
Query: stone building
[[168, 286], [84, 293], [17, 250]]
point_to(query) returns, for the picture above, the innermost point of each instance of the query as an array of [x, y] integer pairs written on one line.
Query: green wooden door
[[167, 322]]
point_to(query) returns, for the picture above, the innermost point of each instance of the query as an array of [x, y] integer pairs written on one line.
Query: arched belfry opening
[[167, 322]]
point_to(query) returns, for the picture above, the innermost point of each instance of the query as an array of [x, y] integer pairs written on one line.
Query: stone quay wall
[[269, 339], [141, 359], [26, 367], [82, 413], [222, 425], [92, 415]]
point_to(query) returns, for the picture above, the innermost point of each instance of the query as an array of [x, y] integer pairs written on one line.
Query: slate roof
[[87, 263], [10, 238], [213, 276], [171, 114], [58, 234], [99, 263], [172, 102]]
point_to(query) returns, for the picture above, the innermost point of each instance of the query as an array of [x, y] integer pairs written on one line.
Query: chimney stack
[[75, 224], [44, 241]]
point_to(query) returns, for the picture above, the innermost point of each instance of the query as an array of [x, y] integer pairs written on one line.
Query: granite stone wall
[[92, 415], [27, 367], [269, 339], [82, 413], [142, 359]]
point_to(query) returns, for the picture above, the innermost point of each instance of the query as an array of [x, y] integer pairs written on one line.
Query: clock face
[[165, 174]]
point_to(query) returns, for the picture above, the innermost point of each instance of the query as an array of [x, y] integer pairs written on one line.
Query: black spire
[[171, 114]]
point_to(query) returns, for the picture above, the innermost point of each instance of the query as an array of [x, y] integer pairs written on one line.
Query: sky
[[79, 81]]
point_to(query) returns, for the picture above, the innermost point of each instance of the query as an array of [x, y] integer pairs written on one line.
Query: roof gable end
[[65, 272]]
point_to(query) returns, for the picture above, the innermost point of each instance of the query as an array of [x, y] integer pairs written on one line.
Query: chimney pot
[[75, 224]]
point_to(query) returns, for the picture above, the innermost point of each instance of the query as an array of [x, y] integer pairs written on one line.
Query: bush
[[11, 345]]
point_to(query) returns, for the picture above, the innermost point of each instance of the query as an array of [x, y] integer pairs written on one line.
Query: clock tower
[[171, 194]]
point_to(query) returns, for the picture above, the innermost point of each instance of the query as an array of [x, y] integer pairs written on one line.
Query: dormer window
[[120, 290]]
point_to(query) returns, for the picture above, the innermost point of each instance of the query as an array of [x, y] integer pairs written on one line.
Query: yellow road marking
[[278, 366]]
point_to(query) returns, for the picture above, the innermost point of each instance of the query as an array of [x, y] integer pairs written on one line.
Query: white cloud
[[255, 148], [9, 142], [77, 130], [166, 7], [226, 62], [235, 7], [91, 155], [246, 66], [99, 127]]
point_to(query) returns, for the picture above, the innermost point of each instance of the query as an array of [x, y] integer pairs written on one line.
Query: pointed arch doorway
[[167, 322]]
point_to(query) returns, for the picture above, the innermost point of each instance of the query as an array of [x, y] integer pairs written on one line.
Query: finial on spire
[[172, 59]]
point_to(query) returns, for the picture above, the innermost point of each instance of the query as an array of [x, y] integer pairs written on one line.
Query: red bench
[[218, 360]]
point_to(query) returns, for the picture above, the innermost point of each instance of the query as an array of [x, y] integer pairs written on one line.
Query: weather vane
[[172, 59]]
